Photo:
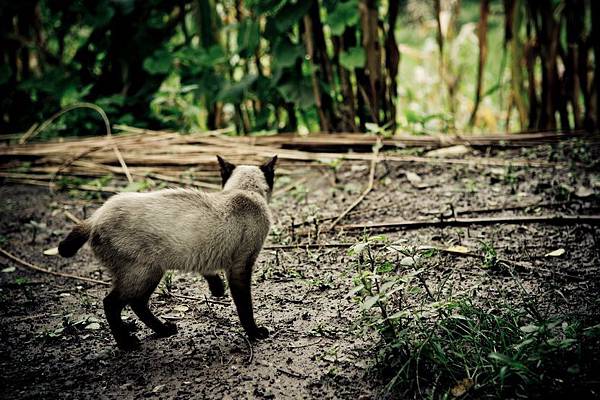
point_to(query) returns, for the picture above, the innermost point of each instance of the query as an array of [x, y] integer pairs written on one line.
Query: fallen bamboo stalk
[[458, 211], [346, 139], [73, 218], [173, 149], [50, 178], [455, 222]]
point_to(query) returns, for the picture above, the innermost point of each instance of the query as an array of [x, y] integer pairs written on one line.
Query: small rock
[[158, 388], [556, 253], [452, 151], [94, 326], [51, 252], [583, 192]]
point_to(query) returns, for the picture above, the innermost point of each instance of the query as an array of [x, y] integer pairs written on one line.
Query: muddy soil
[[54, 342]]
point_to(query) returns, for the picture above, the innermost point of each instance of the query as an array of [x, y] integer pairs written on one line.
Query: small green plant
[[436, 347], [471, 185], [300, 193], [21, 280], [321, 283], [334, 165], [510, 178], [490, 256], [167, 284]]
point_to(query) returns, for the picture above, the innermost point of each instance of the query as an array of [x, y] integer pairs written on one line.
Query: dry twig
[[47, 271], [404, 225], [374, 160]]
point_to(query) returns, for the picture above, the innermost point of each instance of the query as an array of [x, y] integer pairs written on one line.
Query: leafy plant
[[436, 347]]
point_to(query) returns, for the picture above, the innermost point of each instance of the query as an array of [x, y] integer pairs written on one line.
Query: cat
[[138, 236]]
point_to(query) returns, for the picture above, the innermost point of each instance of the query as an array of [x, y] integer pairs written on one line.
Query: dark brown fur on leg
[[215, 284], [141, 308], [239, 283], [113, 306]]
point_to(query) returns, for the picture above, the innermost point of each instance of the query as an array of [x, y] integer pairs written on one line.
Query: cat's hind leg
[[113, 306], [139, 305], [215, 285]]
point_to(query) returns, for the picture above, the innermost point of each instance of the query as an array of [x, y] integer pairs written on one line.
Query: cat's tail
[[75, 240]]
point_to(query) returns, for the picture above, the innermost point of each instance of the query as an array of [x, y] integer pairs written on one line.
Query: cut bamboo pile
[[190, 159], [357, 141]]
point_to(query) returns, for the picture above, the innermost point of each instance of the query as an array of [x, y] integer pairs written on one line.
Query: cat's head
[[258, 179]]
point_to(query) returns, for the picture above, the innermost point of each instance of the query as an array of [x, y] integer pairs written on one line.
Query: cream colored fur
[[141, 235]]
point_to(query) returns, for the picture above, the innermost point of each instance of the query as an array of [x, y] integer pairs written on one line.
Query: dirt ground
[[54, 342]]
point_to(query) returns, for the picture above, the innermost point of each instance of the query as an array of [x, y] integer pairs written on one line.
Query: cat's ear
[[226, 169], [268, 169]]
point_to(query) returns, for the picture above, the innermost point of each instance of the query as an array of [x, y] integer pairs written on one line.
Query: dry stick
[[552, 220], [250, 348], [88, 165], [460, 211], [72, 217], [306, 345], [282, 370], [44, 270], [83, 278], [181, 296], [313, 246], [70, 161], [364, 194], [106, 125]]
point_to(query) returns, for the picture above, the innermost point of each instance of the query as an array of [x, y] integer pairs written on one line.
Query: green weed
[[434, 346]]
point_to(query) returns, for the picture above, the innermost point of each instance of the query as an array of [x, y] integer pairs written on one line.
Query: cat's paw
[[128, 343], [217, 289], [130, 326], [260, 332], [169, 328]]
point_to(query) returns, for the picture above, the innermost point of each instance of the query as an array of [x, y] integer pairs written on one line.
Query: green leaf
[[387, 286], [369, 302], [236, 92], [290, 13], [5, 73], [357, 248], [504, 359], [135, 186], [286, 53], [159, 62], [100, 14], [265, 6], [345, 14], [299, 92], [353, 58], [215, 55], [248, 37], [355, 290], [529, 328]]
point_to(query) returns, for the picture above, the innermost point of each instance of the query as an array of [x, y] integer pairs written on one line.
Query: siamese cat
[[138, 236]]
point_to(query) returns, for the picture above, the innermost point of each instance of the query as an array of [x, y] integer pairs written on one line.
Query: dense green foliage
[[286, 65]]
